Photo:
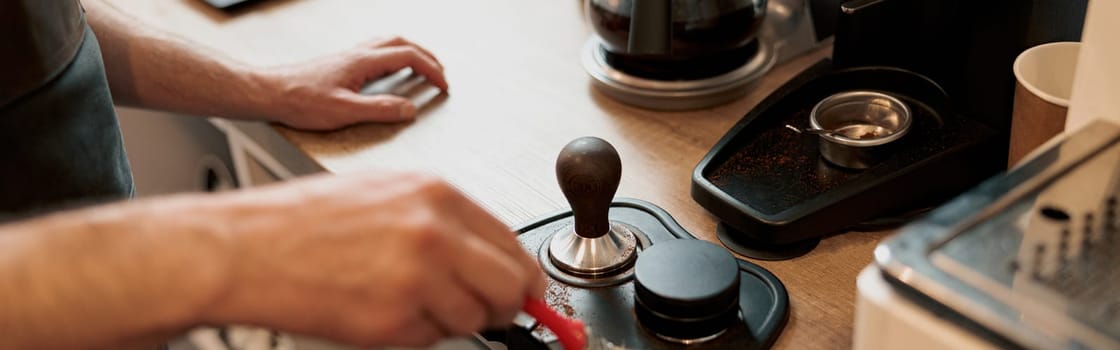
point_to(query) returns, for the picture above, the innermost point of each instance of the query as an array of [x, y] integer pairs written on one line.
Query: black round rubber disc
[[740, 244], [686, 289]]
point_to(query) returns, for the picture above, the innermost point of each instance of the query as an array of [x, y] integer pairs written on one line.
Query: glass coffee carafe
[[677, 39]]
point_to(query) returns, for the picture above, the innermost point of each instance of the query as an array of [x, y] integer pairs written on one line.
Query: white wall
[[1096, 87], [171, 153]]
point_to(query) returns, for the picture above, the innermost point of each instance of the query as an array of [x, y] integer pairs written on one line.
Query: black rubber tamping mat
[[608, 310], [771, 189]]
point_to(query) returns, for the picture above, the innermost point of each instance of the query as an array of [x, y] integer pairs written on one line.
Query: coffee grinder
[[949, 64]]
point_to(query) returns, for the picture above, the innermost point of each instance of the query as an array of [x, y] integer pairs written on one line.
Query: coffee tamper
[[588, 170]]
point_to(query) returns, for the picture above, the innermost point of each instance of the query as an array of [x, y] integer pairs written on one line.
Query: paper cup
[[1043, 81]]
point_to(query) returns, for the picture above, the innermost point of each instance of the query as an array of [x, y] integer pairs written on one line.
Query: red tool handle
[[572, 334]]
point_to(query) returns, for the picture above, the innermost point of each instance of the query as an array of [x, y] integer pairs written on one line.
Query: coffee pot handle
[[651, 25]]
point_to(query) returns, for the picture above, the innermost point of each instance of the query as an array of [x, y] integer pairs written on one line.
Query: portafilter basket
[[864, 124]]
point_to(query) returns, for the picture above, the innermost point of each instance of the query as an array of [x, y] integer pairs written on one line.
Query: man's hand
[[369, 260], [372, 260], [324, 93], [151, 68]]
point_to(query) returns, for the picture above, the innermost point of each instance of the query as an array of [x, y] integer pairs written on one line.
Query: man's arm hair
[[114, 276], [150, 68], [154, 69]]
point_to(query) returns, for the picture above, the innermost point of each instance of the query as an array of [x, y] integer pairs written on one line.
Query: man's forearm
[[151, 68], [108, 277]]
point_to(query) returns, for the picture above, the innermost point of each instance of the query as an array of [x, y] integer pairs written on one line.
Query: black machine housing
[[950, 60]]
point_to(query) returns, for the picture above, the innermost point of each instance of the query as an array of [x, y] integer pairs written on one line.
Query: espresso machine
[[1025, 260]]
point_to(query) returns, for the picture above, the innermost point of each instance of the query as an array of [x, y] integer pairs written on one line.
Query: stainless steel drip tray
[[1032, 255]]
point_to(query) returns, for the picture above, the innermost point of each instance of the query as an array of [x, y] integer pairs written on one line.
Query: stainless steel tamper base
[[572, 253]]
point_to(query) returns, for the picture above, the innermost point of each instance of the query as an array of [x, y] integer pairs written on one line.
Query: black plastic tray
[[771, 186], [609, 311]]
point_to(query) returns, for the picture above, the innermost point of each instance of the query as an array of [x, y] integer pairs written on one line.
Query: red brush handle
[[572, 334]]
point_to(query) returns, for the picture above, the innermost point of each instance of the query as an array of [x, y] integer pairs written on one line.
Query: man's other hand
[[324, 93]]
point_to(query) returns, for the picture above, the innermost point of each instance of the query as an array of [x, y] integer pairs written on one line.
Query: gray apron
[[60, 144]]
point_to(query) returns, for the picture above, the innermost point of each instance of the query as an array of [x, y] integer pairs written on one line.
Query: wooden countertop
[[518, 94]]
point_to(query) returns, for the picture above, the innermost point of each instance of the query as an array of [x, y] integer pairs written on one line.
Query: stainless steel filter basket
[[864, 124]]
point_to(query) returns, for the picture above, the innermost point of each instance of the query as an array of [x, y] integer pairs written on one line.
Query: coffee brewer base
[[675, 94]]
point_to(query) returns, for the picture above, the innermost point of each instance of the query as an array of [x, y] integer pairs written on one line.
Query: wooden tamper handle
[[589, 170]]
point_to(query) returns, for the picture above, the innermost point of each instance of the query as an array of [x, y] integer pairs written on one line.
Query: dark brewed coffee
[[705, 37], [682, 68]]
